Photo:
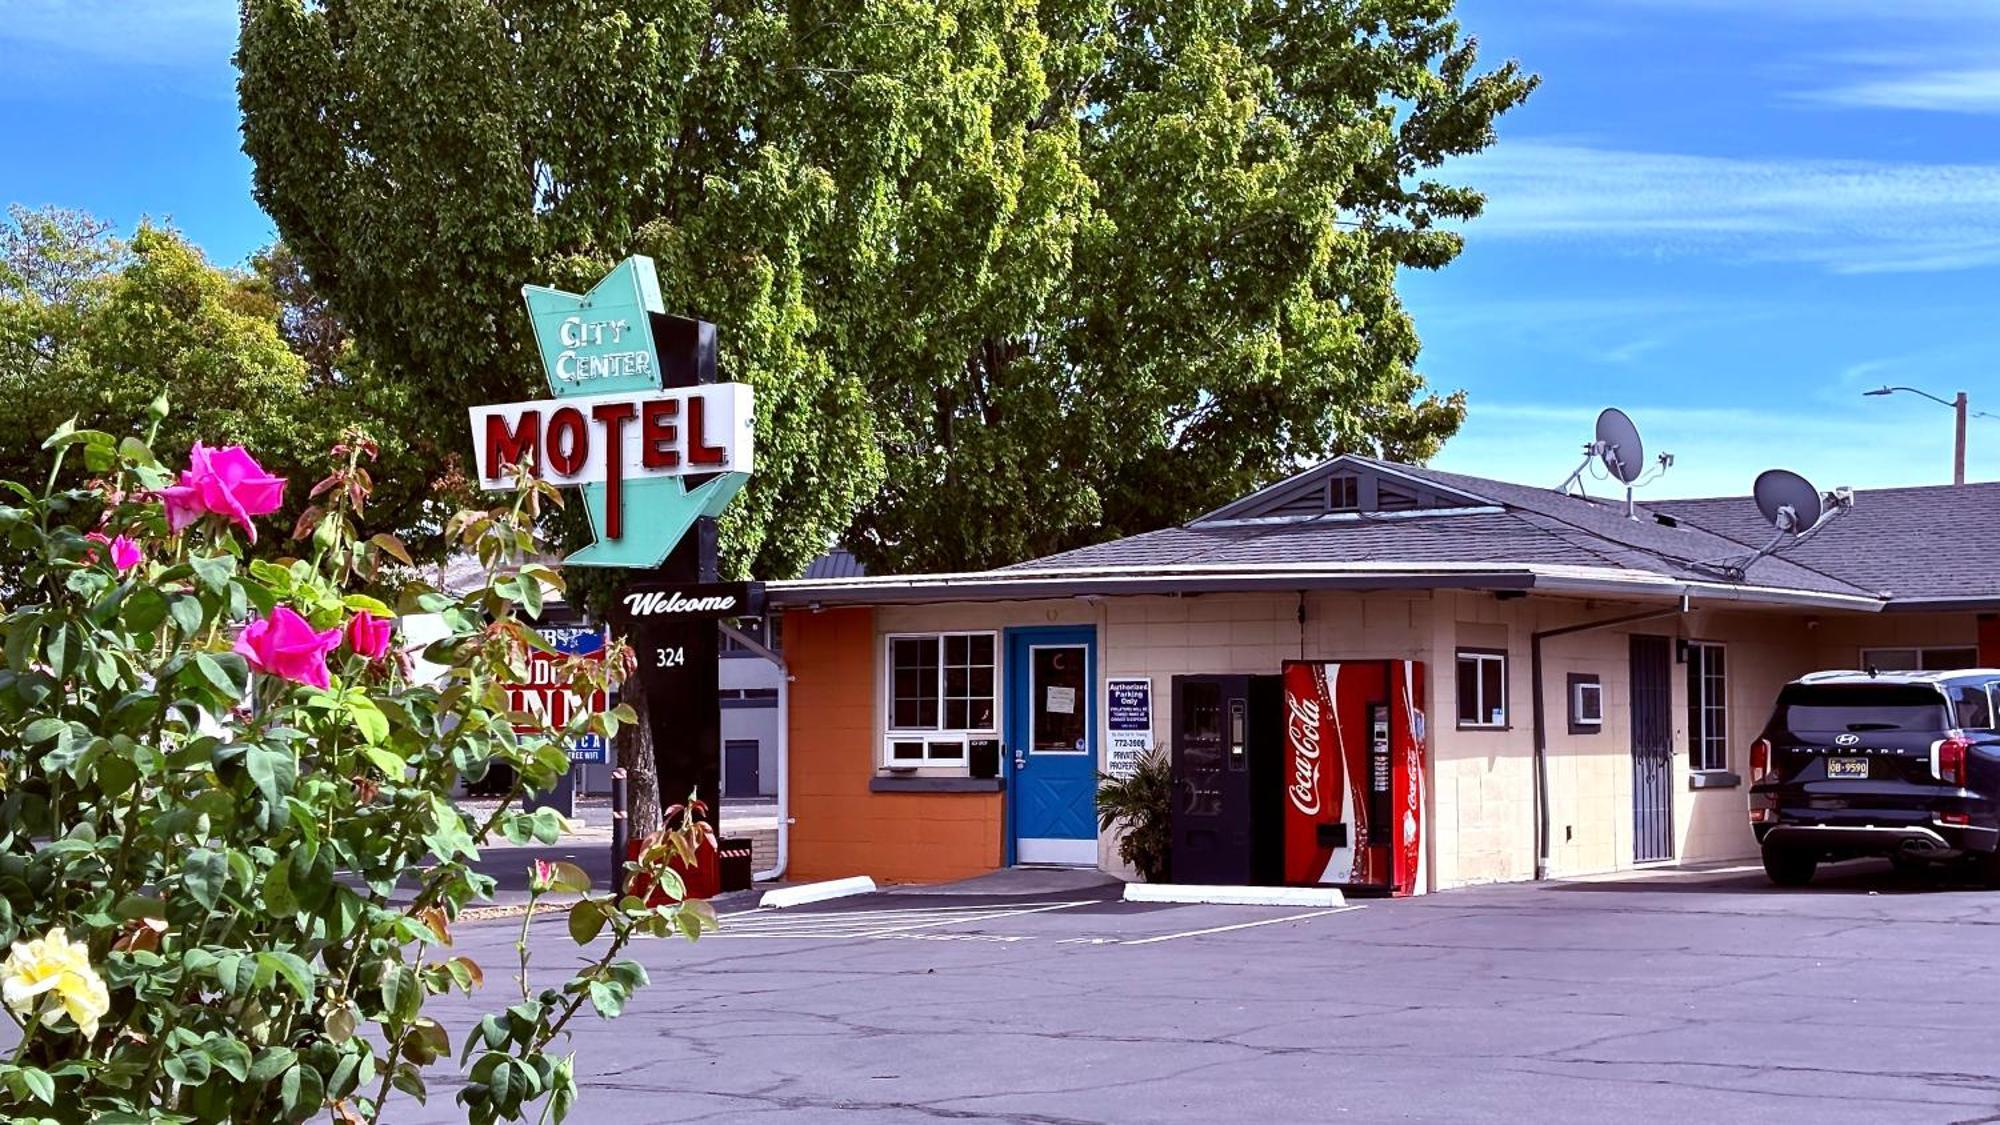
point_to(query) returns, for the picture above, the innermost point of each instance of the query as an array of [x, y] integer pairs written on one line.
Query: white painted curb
[[815, 892], [1234, 896]]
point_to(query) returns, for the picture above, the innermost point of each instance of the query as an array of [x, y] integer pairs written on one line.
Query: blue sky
[[1728, 217]]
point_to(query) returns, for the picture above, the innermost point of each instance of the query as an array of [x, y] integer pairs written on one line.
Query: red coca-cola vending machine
[[1355, 756]]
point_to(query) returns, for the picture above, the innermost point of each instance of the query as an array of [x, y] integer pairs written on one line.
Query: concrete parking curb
[[815, 892], [1234, 896]]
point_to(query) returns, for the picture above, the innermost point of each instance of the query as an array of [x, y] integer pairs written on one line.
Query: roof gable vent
[[1346, 486]]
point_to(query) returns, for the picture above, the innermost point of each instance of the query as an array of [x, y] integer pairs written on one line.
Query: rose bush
[[229, 861]]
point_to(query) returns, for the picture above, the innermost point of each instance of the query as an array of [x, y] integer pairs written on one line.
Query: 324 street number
[[669, 657]]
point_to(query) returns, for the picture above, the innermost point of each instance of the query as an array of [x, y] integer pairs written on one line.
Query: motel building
[[1520, 662]]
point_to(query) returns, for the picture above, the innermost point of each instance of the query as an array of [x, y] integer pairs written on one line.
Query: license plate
[[1847, 767]]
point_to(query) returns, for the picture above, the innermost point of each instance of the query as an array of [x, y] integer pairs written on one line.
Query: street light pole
[[1958, 405]]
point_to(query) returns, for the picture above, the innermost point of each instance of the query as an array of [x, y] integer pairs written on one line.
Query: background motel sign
[[552, 701]]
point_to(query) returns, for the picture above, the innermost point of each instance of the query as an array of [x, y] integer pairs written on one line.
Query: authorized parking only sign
[[1129, 714]]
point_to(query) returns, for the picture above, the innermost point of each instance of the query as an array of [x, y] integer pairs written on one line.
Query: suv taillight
[[1760, 759], [1948, 759]]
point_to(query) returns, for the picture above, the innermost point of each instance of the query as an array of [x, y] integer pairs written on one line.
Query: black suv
[[1898, 764]]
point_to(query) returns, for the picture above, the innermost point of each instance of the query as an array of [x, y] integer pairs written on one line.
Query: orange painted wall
[[840, 828]]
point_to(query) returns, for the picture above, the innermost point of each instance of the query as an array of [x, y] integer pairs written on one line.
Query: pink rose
[[183, 504], [284, 645], [368, 635], [227, 482], [125, 554]]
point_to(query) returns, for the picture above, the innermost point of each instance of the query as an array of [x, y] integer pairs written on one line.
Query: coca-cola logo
[[1302, 731]]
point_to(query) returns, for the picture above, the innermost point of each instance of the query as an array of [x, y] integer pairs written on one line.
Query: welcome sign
[[613, 429]]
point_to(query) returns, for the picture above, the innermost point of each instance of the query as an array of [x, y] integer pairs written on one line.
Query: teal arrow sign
[[600, 343]]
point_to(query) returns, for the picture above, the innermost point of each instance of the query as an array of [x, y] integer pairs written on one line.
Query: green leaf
[[39, 1083], [214, 571], [42, 730], [205, 874], [362, 603], [568, 878], [230, 1056], [607, 998], [410, 1080], [272, 771], [136, 451], [278, 897], [547, 825], [62, 435], [386, 760], [189, 1068], [271, 1062], [586, 921], [228, 672], [292, 968], [188, 615], [301, 1092], [369, 718]]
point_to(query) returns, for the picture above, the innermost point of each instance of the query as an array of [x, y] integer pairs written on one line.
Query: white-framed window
[[1708, 706], [941, 688], [1944, 658], [1482, 689], [1586, 703]]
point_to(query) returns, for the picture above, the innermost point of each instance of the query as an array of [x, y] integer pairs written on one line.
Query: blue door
[[1052, 745]]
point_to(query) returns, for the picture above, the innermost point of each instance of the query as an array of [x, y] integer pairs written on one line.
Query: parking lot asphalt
[[1867, 997]]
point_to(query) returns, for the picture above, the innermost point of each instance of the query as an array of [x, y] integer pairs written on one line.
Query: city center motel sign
[[658, 449]]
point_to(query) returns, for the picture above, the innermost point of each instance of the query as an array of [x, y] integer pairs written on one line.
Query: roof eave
[[1013, 587], [1988, 604], [1018, 585]]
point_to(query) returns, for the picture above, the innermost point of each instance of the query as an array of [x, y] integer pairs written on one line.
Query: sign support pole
[[678, 656]]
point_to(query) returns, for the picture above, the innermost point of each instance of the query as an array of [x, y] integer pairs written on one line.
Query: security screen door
[[1652, 749]]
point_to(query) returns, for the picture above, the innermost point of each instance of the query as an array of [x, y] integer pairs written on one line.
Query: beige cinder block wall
[[1251, 634], [1485, 782], [1839, 638], [1481, 785]]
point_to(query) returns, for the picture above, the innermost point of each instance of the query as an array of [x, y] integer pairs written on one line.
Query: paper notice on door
[[1062, 701]]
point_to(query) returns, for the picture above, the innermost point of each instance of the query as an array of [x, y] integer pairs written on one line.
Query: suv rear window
[[1840, 708]]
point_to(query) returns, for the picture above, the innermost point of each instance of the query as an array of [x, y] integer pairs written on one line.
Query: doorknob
[[1020, 759]]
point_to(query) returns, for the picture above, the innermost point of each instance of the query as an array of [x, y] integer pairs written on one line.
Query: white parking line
[[1243, 925], [845, 924]]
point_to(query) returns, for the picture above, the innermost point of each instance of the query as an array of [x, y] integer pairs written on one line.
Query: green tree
[[94, 328], [1007, 276]]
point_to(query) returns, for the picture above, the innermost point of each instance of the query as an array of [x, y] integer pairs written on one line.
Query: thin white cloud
[[1970, 90], [1845, 216]]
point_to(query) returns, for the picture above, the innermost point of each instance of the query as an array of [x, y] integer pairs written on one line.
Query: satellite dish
[[1618, 445], [1788, 500], [1793, 507]]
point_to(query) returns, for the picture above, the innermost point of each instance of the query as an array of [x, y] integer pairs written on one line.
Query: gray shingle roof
[[1938, 541], [837, 563], [1531, 526]]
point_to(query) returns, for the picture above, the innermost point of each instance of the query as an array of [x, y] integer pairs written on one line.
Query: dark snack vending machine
[[1228, 742], [1353, 775]]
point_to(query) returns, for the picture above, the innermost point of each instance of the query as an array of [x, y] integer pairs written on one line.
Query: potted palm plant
[[1142, 799]]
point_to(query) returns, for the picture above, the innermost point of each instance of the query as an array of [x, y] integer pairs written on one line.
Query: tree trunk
[[635, 754]]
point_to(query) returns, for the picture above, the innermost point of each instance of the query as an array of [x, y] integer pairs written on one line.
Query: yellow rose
[[58, 969]]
